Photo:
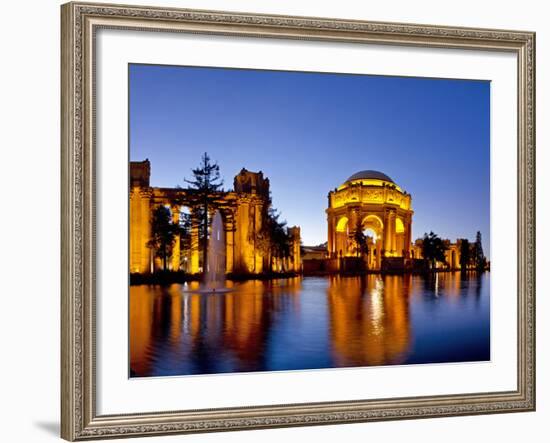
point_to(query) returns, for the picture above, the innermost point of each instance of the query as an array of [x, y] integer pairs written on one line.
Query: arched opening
[[373, 229], [342, 225], [228, 227], [374, 225], [342, 228], [399, 237], [399, 226], [184, 221]]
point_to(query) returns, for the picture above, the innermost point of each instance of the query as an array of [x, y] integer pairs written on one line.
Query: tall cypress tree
[[479, 256], [206, 183], [362, 247], [465, 257]]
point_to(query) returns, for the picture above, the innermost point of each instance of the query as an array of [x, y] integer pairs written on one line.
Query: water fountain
[[214, 270]]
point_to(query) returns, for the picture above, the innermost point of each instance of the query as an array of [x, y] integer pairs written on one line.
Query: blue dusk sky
[[308, 132]]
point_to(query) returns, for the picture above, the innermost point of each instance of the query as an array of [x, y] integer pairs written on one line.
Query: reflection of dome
[[369, 175]]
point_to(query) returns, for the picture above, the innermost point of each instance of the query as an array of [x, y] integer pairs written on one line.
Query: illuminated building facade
[[372, 202], [243, 213]]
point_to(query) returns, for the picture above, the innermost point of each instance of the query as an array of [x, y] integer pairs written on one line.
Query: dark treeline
[[471, 254]]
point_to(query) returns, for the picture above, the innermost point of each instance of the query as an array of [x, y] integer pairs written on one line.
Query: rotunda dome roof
[[369, 174]]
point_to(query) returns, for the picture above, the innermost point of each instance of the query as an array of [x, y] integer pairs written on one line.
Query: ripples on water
[[309, 323]]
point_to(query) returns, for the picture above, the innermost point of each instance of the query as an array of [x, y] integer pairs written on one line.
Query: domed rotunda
[[372, 202]]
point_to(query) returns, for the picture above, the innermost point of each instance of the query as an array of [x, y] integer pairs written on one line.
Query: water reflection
[[369, 319], [306, 323]]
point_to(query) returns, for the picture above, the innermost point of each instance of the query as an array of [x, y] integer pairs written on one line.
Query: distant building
[[452, 254], [314, 252]]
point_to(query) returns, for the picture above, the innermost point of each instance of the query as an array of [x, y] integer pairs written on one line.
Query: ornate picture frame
[[80, 22]]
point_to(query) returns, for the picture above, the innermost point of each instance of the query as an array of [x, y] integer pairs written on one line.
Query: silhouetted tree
[[274, 239], [465, 256], [480, 261], [360, 238], [433, 249], [206, 183], [163, 234], [278, 236]]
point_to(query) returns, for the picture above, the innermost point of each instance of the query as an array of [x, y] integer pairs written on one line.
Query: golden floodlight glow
[[243, 213], [399, 226], [369, 200], [342, 224]]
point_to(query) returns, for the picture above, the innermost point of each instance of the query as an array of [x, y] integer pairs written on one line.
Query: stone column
[[353, 221], [334, 236], [258, 254], [408, 228], [229, 243], [387, 233], [194, 265], [330, 239], [244, 254], [297, 251], [140, 230], [393, 235], [296, 256], [176, 247]]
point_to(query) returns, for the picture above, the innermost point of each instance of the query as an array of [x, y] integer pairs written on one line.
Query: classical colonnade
[[242, 210]]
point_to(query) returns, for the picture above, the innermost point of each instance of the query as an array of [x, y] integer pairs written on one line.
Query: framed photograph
[[283, 221]]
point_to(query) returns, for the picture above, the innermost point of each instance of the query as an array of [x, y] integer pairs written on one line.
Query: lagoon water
[[309, 323]]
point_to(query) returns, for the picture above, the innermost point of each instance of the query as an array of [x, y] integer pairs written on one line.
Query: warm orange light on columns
[[371, 200]]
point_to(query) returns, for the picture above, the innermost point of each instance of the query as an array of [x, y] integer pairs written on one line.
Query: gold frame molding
[[79, 22]]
